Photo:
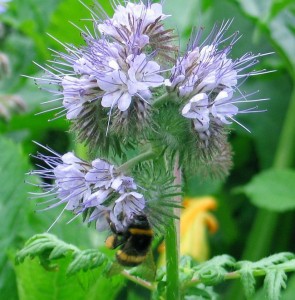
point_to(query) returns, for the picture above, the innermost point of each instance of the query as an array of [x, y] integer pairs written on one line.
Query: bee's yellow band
[[137, 231], [130, 258]]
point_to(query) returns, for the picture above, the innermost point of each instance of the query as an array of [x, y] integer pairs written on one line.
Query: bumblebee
[[134, 242]]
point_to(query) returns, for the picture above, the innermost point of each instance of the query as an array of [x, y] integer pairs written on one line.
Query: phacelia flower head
[[109, 83], [207, 80], [94, 189]]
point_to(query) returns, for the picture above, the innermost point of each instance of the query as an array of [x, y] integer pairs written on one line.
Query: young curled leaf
[[214, 270]]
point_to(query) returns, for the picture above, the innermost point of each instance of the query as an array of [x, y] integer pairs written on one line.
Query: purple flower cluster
[[117, 68], [125, 61], [207, 79], [128, 66], [95, 189]]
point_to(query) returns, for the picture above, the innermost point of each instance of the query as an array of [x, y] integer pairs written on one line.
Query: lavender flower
[[207, 79], [139, 25], [94, 189], [69, 185], [197, 110], [100, 175], [126, 206], [77, 92], [121, 85]]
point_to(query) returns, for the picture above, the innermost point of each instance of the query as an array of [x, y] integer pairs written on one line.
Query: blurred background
[[253, 208]]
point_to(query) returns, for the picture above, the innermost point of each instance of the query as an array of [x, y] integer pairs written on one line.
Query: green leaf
[[288, 294], [41, 244], [60, 26], [13, 200], [276, 259], [282, 28], [87, 260], [274, 281], [273, 265], [277, 17], [273, 190], [247, 279], [36, 283], [71, 260], [257, 9], [48, 247]]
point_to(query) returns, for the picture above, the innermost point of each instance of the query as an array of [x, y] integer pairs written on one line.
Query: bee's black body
[[135, 241]]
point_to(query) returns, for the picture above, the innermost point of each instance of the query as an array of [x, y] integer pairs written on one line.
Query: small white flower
[[197, 109], [121, 86], [97, 198], [101, 174], [77, 91], [222, 107], [123, 183]]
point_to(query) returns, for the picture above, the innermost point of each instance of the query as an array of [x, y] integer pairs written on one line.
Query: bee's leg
[[112, 225]]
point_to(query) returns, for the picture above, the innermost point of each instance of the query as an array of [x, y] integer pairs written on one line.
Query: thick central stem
[[172, 262], [173, 245]]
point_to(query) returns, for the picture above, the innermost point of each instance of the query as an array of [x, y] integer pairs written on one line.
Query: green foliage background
[[256, 202]]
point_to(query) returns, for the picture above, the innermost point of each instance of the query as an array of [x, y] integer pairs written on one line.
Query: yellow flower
[[195, 221]]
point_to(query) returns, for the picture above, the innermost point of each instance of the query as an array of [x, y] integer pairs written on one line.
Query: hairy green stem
[[172, 262], [135, 160], [163, 99], [139, 281], [172, 241]]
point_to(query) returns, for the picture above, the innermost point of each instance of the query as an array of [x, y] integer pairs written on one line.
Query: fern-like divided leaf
[[48, 248], [224, 267], [247, 278], [45, 245], [273, 267], [274, 281], [87, 260]]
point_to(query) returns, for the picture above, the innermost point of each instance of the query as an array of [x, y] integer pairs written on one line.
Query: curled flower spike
[[138, 26], [93, 189], [206, 78]]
